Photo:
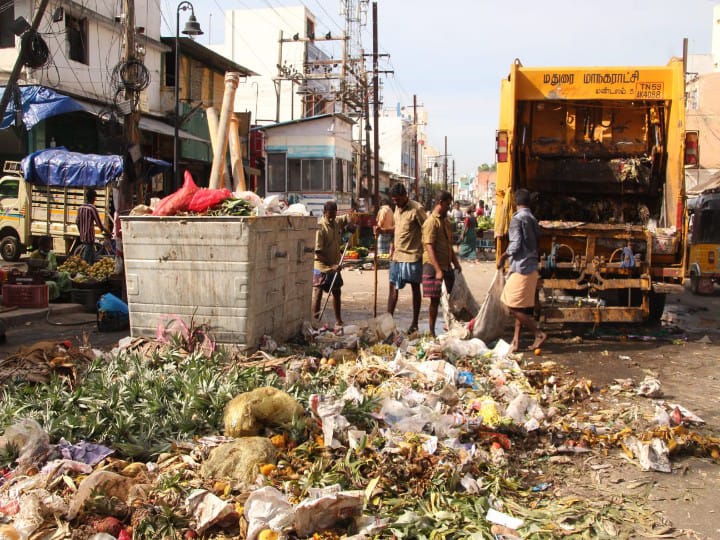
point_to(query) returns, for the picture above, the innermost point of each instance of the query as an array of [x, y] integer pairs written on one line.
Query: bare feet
[[540, 338], [513, 347]]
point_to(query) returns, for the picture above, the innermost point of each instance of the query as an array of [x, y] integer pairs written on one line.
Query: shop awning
[[37, 103], [146, 123]]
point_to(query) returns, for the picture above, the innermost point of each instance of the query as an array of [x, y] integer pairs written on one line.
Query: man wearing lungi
[[406, 261], [438, 255], [519, 292]]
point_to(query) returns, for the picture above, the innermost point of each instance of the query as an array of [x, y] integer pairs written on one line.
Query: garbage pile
[[357, 434]]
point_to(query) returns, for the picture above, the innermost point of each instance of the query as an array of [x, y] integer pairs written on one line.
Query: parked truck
[[35, 207], [601, 149]]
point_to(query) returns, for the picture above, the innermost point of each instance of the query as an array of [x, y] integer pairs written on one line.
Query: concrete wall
[[703, 114]]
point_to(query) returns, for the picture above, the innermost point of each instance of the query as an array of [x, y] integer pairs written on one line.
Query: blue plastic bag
[[110, 302]]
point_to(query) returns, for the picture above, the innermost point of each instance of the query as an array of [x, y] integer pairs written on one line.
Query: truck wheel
[[695, 284], [657, 306], [10, 249]]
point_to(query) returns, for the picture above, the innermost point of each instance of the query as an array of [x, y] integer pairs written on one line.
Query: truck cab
[[703, 251], [12, 214]]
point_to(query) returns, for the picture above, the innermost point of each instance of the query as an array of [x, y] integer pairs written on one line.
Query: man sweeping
[[327, 265], [519, 291]]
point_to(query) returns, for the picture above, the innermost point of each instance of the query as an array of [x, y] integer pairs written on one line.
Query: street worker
[[406, 260], [438, 255], [327, 265], [87, 218], [519, 292], [384, 227], [480, 212]]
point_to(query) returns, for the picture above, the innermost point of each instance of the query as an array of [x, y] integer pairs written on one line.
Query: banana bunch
[[74, 265]]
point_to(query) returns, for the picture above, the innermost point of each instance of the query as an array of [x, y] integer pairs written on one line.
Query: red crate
[[26, 296]]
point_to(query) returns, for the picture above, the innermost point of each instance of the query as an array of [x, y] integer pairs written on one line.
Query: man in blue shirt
[[519, 292]]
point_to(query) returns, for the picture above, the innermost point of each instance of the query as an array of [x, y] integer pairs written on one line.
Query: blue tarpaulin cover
[[58, 167], [38, 103]]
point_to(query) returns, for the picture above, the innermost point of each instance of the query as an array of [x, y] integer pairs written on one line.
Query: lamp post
[[192, 28]]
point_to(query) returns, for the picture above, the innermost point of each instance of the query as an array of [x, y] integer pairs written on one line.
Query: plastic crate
[[26, 296], [112, 321], [87, 297]]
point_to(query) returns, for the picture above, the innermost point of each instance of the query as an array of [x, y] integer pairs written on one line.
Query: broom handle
[[347, 244]]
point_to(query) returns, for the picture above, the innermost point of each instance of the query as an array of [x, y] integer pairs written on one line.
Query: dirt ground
[[683, 353]]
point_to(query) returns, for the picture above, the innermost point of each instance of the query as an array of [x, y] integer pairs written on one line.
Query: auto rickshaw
[[703, 257]]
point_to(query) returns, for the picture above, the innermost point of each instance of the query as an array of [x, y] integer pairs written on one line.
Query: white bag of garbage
[[489, 323]]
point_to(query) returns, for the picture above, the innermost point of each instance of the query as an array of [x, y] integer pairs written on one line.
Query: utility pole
[[415, 149], [132, 120], [15, 73], [445, 177], [376, 111], [453, 179]]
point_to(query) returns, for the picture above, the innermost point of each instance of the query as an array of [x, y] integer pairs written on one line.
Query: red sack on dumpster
[[178, 201], [206, 198]]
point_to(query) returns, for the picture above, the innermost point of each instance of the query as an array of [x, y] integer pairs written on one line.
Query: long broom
[[332, 283]]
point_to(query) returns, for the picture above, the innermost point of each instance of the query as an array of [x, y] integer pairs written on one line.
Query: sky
[[453, 54]]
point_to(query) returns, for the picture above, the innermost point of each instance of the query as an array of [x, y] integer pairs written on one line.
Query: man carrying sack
[[519, 291]]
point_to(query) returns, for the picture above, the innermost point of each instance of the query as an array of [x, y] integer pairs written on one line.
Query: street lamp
[[192, 28]]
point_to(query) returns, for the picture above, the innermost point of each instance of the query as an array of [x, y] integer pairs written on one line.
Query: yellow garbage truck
[[601, 150]]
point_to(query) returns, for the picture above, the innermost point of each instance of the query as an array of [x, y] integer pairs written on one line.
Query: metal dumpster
[[242, 276]]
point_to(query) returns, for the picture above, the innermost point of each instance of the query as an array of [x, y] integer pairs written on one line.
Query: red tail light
[[501, 146]]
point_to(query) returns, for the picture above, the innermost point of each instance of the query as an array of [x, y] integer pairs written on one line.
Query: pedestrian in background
[[438, 255], [519, 292], [87, 219], [406, 261], [468, 237], [384, 227], [327, 265]]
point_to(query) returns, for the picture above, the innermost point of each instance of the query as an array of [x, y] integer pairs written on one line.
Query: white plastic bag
[[489, 323], [461, 302]]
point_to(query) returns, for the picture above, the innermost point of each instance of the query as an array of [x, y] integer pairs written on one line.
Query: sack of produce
[[247, 413], [178, 201], [206, 198]]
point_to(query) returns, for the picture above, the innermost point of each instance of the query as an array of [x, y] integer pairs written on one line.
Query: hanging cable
[[35, 52]]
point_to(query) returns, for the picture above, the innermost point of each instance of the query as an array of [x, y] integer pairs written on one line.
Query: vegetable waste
[[431, 437]]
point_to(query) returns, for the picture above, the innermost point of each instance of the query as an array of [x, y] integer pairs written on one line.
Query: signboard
[[595, 83]]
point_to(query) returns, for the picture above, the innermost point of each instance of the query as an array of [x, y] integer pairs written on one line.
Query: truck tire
[[10, 248], [695, 284], [657, 307]]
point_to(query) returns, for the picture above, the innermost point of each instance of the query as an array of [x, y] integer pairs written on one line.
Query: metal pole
[[176, 134], [415, 149], [445, 185], [376, 112]]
